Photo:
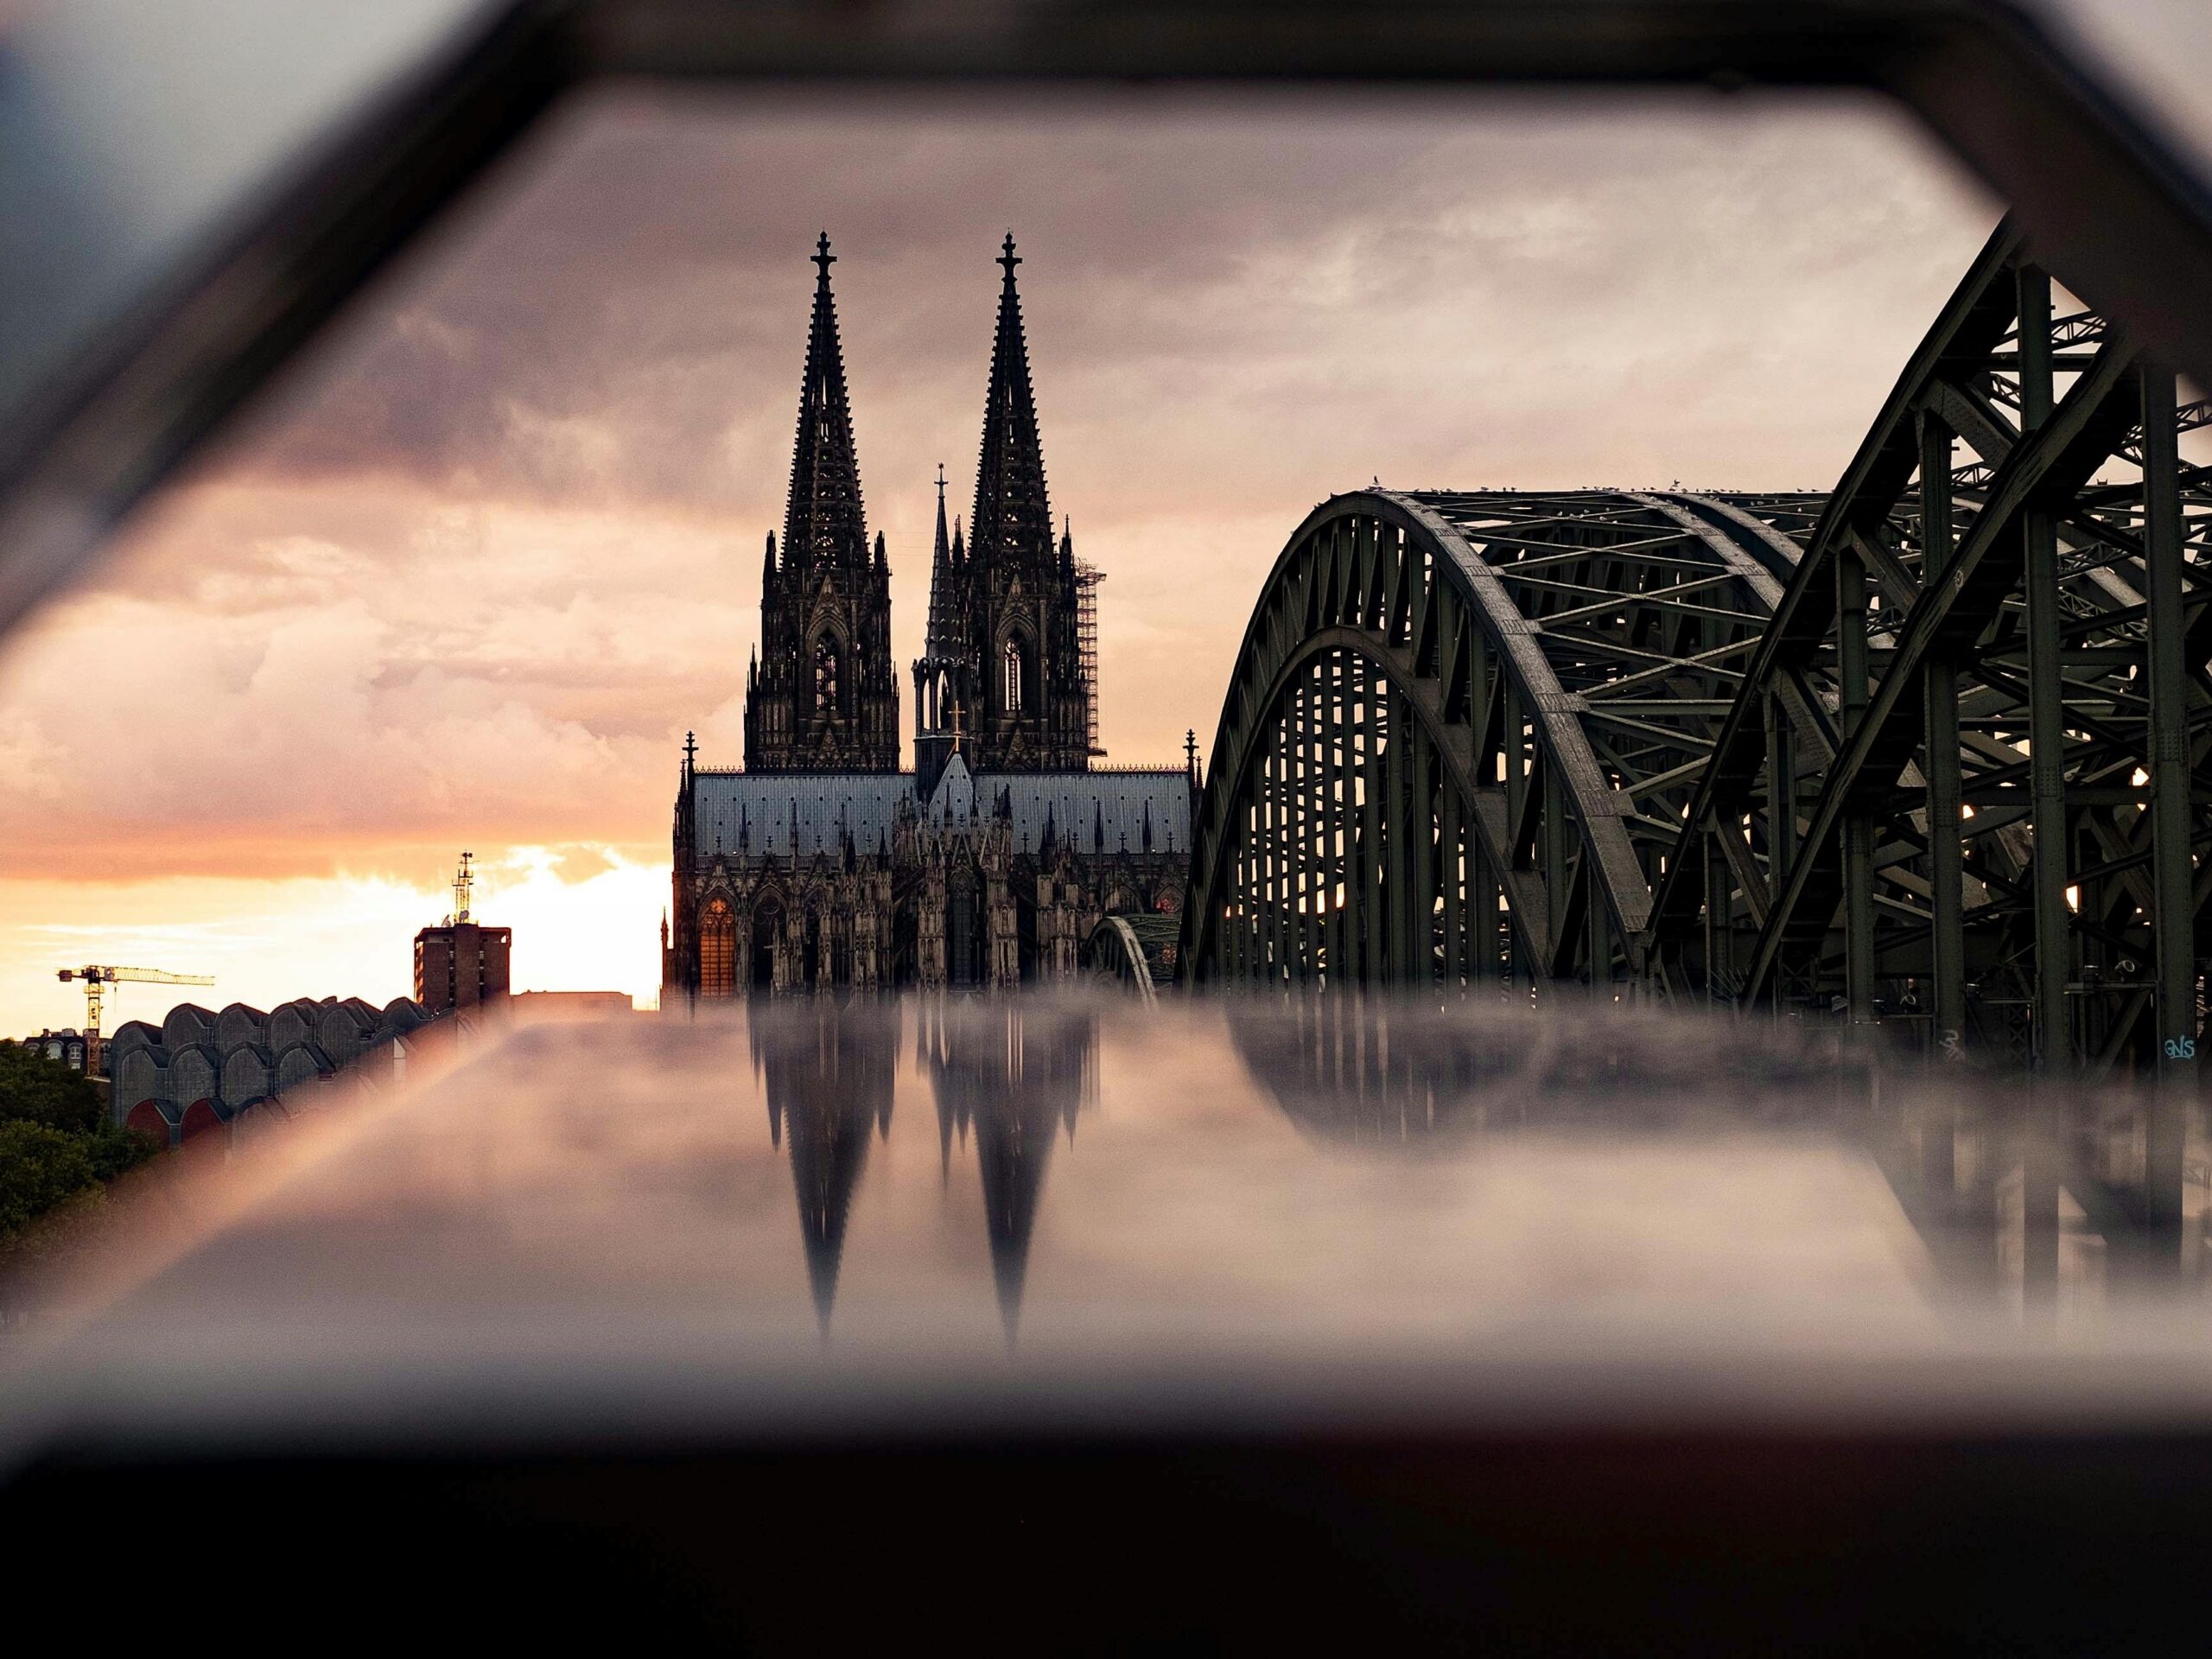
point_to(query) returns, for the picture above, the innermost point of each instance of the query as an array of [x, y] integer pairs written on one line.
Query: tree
[[55, 1148], [40, 1167], [34, 1089]]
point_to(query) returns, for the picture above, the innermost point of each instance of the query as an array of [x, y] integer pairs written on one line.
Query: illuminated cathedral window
[[825, 674], [717, 949], [1013, 699]]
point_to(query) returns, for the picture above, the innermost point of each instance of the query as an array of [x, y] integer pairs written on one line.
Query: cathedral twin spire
[[1028, 691], [1003, 677], [824, 522], [1012, 513], [825, 697], [1000, 673]]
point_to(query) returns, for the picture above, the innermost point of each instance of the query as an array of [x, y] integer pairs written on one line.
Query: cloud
[[492, 548], [313, 700], [622, 321]]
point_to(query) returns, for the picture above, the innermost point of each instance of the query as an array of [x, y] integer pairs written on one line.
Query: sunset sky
[[466, 578]]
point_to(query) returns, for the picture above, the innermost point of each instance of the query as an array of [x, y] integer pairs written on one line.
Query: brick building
[[460, 965]]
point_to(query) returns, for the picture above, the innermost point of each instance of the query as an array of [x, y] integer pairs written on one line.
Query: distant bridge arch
[[1136, 952], [1462, 729]]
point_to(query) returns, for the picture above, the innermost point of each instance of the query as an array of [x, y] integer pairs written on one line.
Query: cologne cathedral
[[821, 864]]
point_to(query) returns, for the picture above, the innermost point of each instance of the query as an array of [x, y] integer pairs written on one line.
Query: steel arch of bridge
[[1705, 744], [1136, 952], [1462, 729]]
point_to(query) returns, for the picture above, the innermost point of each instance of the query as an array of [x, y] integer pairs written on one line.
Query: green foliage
[[114, 1150], [55, 1151], [39, 1168], [34, 1089]]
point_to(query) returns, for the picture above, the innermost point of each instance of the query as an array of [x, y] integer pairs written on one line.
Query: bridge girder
[[2017, 651], [1698, 743]]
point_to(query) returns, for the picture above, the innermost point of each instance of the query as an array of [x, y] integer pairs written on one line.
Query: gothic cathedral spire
[[823, 523], [826, 699], [1011, 512], [1029, 701]]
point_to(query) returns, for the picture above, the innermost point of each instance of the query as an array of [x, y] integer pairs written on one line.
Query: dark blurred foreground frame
[[1539, 1541], [1536, 1543], [92, 416]]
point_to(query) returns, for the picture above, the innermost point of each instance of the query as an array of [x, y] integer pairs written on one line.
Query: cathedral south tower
[[820, 695]]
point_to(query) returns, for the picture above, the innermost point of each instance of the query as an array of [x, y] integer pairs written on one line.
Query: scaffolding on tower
[[1087, 578]]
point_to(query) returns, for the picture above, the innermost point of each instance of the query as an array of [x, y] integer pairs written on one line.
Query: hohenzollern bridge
[[1929, 751]]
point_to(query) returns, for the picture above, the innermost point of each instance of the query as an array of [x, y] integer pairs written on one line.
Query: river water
[[1313, 1204]]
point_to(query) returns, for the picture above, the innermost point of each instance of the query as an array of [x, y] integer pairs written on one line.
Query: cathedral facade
[[821, 864]]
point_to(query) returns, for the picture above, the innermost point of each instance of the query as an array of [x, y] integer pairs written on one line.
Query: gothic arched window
[[1011, 700], [825, 674], [767, 927], [717, 949], [963, 917]]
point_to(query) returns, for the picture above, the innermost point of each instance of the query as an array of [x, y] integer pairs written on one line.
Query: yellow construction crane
[[98, 978]]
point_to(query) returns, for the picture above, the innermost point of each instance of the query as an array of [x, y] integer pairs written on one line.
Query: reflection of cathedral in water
[[828, 1076], [1012, 1076]]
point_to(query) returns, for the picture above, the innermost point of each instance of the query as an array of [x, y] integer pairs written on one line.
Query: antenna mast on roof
[[464, 880]]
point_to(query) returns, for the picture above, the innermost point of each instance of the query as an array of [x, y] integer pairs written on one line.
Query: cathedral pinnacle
[[942, 641]]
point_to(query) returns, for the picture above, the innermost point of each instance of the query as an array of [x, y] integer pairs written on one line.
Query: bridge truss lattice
[[1707, 745]]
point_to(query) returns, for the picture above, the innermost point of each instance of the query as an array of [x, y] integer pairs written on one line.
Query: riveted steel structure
[[1463, 732], [1926, 752], [1962, 784]]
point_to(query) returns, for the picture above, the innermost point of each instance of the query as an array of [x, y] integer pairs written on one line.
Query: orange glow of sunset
[[574, 912]]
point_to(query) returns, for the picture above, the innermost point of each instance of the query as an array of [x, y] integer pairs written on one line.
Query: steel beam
[[2172, 874], [2054, 958], [1946, 873]]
